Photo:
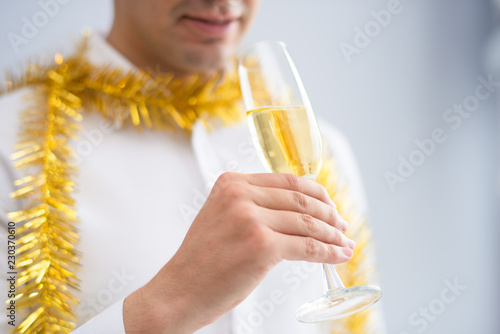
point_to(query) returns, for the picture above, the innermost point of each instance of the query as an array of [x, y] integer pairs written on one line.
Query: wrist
[[147, 311]]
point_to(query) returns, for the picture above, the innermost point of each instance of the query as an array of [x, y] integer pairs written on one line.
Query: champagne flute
[[288, 140]]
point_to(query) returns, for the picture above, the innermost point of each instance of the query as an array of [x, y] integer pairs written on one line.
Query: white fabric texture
[[137, 195]]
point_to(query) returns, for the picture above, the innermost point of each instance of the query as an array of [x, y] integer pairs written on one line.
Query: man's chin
[[208, 60]]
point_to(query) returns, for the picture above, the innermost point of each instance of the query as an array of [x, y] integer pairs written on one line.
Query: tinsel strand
[[46, 257], [360, 269], [161, 102]]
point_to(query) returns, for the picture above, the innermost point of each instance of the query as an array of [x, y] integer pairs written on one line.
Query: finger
[[294, 201], [290, 182], [301, 224], [295, 248]]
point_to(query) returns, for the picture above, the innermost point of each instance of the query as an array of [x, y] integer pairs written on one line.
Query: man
[[147, 265]]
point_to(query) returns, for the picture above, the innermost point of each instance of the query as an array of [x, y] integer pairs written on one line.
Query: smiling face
[[180, 36]]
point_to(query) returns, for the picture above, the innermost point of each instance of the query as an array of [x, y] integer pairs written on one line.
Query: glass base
[[339, 303]]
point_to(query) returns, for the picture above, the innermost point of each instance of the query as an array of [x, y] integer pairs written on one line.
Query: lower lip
[[211, 29]]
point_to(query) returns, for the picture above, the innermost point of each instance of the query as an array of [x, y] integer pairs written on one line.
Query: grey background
[[442, 222]]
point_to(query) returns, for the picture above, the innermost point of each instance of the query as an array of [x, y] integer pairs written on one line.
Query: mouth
[[212, 26]]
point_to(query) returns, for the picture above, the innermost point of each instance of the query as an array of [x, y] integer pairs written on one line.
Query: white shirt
[[137, 194]]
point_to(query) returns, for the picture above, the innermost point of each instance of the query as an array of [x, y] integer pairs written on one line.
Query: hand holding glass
[[289, 141]]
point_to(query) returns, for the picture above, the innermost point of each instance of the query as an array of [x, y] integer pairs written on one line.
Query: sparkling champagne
[[288, 143]]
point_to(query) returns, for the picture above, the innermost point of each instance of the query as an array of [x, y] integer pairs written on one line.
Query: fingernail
[[347, 252], [350, 243], [344, 226]]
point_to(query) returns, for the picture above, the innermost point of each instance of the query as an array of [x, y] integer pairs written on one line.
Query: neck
[[134, 49]]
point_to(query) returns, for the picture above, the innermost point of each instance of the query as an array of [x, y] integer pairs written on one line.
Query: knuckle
[[309, 224], [226, 178], [246, 213], [258, 238], [337, 238], [234, 191], [332, 214], [293, 181], [332, 255], [300, 201], [335, 255], [312, 247]]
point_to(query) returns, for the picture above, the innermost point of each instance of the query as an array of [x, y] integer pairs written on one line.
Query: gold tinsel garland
[[47, 255], [360, 269]]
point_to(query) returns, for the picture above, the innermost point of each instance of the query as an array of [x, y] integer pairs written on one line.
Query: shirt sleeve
[[109, 321]]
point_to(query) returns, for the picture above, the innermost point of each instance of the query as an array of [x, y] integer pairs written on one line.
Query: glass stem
[[331, 279]]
